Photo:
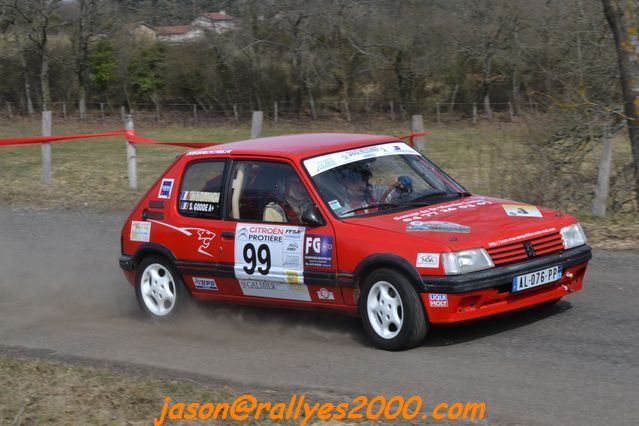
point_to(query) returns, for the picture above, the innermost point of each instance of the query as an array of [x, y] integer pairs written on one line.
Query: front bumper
[[503, 275], [488, 292]]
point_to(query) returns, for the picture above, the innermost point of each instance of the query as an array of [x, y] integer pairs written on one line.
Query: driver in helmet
[[291, 206]]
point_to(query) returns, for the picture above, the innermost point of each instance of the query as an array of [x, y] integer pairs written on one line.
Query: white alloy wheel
[[385, 310], [158, 289]]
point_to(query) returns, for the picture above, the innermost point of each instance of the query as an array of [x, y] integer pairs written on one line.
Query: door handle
[[228, 235]]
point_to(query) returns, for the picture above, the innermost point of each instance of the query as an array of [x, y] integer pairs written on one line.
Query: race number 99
[[252, 257]]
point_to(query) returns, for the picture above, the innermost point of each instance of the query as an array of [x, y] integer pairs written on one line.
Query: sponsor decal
[[318, 251], [292, 277], [207, 197], [436, 300], [205, 283], [526, 236], [165, 188], [325, 294], [521, 210], [435, 225], [209, 152], [326, 162], [427, 260], [199, 207], [334, 204], [271, 254], [437, 210], [140, 231], [204, 236], [275, 290]]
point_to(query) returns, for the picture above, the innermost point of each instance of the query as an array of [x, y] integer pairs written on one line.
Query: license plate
[[537, 278]]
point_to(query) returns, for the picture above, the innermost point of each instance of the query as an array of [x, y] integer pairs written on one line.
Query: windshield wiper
[[422, 198], [372, 206]]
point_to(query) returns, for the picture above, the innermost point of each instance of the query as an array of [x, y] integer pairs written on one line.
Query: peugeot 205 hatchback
[[360, 224]]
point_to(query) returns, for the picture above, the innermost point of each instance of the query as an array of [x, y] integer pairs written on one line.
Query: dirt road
[[575, 363]]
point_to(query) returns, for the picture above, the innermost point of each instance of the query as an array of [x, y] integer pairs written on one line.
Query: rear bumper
[[489, 292], [126, 263]]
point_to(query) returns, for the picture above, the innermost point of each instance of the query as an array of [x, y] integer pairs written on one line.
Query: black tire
[[169, 278], [414, 323]]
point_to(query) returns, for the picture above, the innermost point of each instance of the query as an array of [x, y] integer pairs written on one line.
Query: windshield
[[377, 178]]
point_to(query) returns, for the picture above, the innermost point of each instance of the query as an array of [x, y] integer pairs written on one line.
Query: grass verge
[[92, 173]]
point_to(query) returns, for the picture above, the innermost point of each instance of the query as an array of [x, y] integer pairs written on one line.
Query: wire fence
[[193, 114]]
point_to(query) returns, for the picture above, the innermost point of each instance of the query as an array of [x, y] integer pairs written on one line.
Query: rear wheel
[[158, 288], [391, 311]]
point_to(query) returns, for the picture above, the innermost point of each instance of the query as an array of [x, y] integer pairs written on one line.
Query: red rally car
[[360, 224]]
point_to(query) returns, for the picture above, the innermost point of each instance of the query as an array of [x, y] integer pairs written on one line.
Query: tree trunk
[[452, 98], [622, 19], [82, 102]]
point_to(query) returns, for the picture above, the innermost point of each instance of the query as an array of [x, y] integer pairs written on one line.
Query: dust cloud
[[59, 269]]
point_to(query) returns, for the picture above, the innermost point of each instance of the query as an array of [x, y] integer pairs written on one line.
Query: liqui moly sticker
[[437, 300]]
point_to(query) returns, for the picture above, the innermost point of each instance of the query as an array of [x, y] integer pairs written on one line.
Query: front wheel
[[158, 288], [391, 311]]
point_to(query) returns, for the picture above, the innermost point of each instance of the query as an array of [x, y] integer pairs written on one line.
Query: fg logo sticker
[[318, 251]]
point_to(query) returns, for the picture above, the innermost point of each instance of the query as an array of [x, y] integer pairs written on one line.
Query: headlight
[[460, 262], [573, 235]]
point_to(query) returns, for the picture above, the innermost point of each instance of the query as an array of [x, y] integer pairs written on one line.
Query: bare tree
[[92, 16], [35, 18], [622, 16]]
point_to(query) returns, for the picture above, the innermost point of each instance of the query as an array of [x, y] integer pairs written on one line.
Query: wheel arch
[[387, 260], [147, 249]]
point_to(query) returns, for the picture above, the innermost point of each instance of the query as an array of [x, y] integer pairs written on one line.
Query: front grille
[[514, 252]]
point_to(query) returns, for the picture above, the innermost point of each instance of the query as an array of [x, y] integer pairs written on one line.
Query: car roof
[[299, 146]]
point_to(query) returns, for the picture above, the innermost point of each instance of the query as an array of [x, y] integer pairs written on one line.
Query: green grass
[[490, 159], [40, 391]]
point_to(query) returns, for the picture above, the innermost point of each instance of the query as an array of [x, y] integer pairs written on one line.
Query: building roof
[[217, 16], [178, 29], [299, 146]]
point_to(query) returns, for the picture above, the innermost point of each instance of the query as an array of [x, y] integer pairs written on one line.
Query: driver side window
[[266, 191]]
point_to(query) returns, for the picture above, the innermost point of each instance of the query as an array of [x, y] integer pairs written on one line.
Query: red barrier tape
[[40, 139], [129, 134], [411, 137]]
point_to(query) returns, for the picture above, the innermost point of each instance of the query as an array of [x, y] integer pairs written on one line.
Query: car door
[[276, 256], [195, 228]]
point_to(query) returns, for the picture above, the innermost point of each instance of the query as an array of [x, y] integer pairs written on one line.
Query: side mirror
[[312, 217]]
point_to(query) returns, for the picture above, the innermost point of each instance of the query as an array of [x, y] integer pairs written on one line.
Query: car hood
[[469, 222]]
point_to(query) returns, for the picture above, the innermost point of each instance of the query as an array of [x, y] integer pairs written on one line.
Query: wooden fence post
[[64, 110], [237, 117], [417, 126], [130, 153], [392, 110], [311, 102], [256, 124], [474, 114], [275, 112], [195, 118], [46, 147], [603, 178], [346, 110]]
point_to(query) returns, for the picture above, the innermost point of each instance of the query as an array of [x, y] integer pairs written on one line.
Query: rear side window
[[201, 189]]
